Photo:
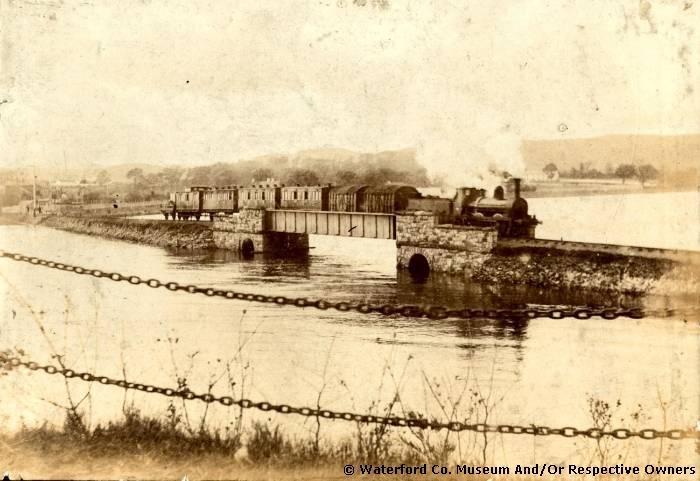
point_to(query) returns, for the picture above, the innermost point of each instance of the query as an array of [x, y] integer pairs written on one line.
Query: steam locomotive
[[470, 206]]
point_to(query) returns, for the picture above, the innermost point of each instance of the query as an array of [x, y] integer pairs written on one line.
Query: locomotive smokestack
[[516, 182]]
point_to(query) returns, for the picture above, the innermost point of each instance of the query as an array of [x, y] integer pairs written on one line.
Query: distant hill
[[671, 153], [680, 153]]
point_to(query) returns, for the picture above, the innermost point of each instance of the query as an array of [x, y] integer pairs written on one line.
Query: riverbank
[[551, 268], [185, 235], [13, 219], [574, 188]]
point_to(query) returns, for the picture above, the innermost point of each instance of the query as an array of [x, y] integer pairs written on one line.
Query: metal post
[[34, 192]]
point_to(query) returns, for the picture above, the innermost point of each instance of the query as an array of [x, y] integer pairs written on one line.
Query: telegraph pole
[[34, 190]]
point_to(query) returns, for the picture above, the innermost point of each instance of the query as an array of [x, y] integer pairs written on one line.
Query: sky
[[463, 82]]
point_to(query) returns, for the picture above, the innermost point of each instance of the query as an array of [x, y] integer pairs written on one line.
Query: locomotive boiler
[[473, 207]]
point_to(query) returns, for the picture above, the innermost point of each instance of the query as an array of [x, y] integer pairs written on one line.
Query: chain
[[416, 421], [431, 312]]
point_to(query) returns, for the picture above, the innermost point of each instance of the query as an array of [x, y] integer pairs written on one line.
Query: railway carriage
[[305, 197], [189, 203], [470, 206], [220, 200], [259, 196]]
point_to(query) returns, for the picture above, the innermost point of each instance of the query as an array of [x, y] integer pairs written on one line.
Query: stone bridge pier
[[246, 232], [424, 245]]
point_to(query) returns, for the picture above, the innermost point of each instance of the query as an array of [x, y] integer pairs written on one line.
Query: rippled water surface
[[541, 371]]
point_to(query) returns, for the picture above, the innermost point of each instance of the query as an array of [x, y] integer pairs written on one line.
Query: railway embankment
[[479, 254], [624, 273], [186, 235], [546, 264]]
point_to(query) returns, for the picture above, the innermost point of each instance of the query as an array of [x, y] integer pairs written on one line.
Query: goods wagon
[[347, 198], [388, 198]]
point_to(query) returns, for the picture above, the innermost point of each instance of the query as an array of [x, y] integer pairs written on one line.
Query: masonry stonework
[[231, 231], [447, 248], [250, 221]]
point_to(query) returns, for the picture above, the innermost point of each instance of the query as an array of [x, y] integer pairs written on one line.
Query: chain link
[[417, 421], [431, 312]]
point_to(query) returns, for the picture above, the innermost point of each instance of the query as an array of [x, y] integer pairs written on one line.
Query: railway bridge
[[425, 244], [345, 224]]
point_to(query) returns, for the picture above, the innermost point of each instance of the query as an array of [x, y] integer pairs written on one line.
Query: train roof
[[261, 186], [390, 189], [314, 186], [348, 189]]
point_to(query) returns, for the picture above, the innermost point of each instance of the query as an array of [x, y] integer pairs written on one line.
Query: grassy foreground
[[142, 447]]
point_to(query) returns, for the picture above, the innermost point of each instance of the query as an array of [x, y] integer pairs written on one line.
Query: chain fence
[[415, 421], [412, 311]]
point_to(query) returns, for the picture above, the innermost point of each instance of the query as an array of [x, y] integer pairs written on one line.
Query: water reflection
[[267, 264], [322, 276]]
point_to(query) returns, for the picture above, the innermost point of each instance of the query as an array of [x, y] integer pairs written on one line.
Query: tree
[[301, 177], [550, 170], [136, 175], [173, 175], [647, 172], [346, 177], [381, 176], [262, 173], [103, 177], [625, 171]]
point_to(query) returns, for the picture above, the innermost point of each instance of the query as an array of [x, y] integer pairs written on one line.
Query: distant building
[[70, 192]]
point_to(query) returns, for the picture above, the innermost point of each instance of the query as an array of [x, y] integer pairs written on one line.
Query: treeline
[[643, 173], [363, 169]]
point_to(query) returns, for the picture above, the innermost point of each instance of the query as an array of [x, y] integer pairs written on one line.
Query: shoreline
[[588, 192], [616, 271]]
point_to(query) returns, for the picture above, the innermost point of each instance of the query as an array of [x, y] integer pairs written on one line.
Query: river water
[[542, 371]]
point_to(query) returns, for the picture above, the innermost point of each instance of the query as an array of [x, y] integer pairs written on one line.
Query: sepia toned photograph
[[350, 239]]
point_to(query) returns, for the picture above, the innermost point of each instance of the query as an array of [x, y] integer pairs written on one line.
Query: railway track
[[676, 255]]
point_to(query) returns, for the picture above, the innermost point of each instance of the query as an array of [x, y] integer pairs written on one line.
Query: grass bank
[[141, 447], [145, 447]]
